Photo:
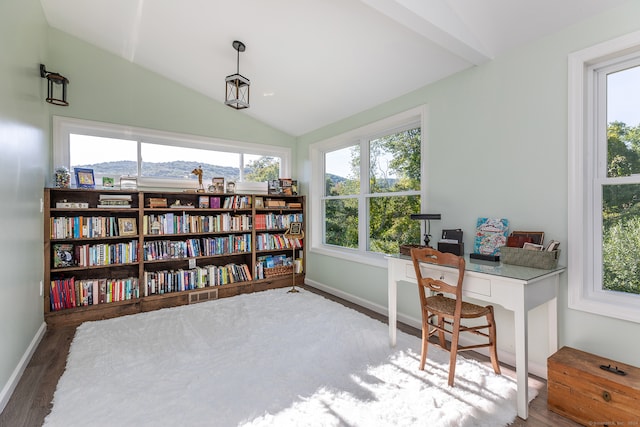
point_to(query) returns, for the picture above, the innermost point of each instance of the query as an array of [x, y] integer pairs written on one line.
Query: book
[[63, 255]]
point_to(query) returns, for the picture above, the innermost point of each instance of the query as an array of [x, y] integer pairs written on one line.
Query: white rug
[[267, 359]]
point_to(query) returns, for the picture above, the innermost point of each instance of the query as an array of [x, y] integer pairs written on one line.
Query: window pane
[[341, 222], [390, 224], [621, 238], [623, 120], [164, 161], [106, 156], [342, 171], [261, 168], [394, 163]]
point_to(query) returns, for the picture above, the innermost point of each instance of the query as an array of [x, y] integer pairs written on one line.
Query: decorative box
[[546, 260]]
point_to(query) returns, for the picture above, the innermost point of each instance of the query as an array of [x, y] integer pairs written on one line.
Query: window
[[162, 159], [604, 179], [367, 184]]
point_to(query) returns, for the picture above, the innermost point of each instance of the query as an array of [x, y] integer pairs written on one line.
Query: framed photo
[[231, 187], [127, 226], [537, 237], [128, 183], [259, 203], [84, 178], [108, 182], [217, 184], [295, 229]]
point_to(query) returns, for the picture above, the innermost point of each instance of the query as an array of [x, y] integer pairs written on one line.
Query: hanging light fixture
[[237, 86], [54, 80]]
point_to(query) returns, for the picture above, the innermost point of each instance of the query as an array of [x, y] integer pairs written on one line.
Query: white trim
[[14, 379], [582, 127], [316, 184]]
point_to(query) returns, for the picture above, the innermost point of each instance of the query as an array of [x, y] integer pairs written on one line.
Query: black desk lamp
[[427, 219]]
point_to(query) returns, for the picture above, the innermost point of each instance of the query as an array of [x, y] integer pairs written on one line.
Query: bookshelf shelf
[[206, 248]]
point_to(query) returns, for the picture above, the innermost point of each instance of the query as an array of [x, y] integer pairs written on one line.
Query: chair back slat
[[431, 256]]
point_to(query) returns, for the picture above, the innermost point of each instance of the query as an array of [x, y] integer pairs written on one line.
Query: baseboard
[[12, 383], [504, 356]]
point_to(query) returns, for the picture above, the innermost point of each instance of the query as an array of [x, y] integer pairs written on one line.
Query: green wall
[[23, 161], [497, 137]]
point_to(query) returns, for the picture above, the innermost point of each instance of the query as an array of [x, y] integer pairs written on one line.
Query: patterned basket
[[278, 271], [546, 260]]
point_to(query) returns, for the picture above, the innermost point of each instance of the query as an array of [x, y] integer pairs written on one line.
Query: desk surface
[[498, 268]]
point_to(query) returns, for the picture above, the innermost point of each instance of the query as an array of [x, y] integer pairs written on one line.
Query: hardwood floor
[[31, 401]]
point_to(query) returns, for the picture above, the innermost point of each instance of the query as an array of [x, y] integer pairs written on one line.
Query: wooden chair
[[448, 311]]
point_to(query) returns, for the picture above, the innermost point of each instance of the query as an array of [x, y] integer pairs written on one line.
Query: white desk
[[515, 288]]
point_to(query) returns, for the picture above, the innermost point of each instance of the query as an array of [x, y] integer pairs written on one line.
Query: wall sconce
[[427, 219], [54, 80], [237, 86]]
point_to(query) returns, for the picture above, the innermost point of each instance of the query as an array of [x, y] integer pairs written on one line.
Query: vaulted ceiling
[[313, 62]]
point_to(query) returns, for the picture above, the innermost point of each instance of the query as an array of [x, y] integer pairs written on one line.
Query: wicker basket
[[546, 260], [281, 270]]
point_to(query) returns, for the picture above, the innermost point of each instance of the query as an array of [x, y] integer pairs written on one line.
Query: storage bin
[[546, 260]]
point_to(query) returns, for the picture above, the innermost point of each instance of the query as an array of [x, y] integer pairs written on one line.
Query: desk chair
[[448, 311]]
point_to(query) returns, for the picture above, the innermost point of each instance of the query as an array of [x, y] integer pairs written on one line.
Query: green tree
[[264, 169]]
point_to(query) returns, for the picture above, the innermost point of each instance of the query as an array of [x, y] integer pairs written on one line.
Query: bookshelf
[[109, 253]]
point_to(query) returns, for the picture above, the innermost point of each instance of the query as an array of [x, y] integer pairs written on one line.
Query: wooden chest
[[579, 389]]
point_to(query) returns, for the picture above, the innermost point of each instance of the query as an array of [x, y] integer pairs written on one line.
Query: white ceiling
[[313, 62]]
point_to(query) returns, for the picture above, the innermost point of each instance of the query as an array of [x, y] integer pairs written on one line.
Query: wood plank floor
[[31, 401]]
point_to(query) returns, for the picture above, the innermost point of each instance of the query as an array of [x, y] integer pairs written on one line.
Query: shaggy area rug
[[268, 359]]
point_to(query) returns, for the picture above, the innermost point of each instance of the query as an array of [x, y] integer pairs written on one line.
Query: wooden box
[[579, 389]]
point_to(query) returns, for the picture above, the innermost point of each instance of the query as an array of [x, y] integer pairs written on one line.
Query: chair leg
[[425, 340], [443, 341], [492, 338], [454, 350]]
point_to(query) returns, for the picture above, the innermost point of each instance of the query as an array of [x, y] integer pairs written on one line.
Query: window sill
[[375, 260]]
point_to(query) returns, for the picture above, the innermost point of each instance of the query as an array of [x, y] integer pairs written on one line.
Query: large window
[[368, 182], [162, 159], [604, 179]]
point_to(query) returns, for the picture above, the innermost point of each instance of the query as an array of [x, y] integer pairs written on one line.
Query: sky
[[623, 97]]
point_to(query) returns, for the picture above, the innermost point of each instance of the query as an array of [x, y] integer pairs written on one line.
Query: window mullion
[[363, 202]]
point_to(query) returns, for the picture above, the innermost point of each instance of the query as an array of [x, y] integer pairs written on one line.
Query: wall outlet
[[41, 288]]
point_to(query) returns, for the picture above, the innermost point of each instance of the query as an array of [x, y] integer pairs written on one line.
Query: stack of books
[[114, 201]]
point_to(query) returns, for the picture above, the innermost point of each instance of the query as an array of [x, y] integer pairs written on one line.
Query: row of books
[[184, 223], [69, 292], [79, 227], [267, 241], [273, 221], [237, 202], [166, 281], [208, 246], [89, 255]]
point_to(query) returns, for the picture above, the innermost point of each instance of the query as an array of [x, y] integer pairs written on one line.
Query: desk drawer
[[472, 285]]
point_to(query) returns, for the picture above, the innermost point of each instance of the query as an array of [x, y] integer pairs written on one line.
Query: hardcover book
[[63, 255]]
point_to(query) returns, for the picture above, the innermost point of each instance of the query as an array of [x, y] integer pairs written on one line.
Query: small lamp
[[237, 86], [54, 80], [427, 219]]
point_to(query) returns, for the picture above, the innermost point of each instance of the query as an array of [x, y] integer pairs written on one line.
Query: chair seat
[[447, 306]]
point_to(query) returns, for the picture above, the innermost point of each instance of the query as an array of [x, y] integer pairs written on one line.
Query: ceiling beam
[[437, 22]]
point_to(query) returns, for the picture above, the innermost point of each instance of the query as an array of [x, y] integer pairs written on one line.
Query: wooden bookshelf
[[135, 253]]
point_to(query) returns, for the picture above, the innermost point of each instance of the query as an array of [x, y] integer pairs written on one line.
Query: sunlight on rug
[[268, 359]]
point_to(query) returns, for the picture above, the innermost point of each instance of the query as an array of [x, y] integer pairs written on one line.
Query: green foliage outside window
[[621, 212]]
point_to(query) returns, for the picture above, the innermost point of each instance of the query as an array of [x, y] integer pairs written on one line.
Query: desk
[[517, 289]]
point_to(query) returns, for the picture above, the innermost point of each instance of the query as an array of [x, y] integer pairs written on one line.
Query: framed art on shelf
[[127, 226], [84, 178]]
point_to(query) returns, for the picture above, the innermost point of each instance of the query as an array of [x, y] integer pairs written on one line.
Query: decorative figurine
[[198, 172]]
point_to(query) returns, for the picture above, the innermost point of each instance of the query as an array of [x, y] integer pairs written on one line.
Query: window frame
[[415, 116], [586, 127], [64, 126]]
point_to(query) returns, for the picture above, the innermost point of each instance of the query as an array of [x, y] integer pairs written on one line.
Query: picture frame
[[231, 187], [295, 230], [537, 237], [128, 183], [259, 203], [84, 178], [127, 226], [218, 185], [108, 182]]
